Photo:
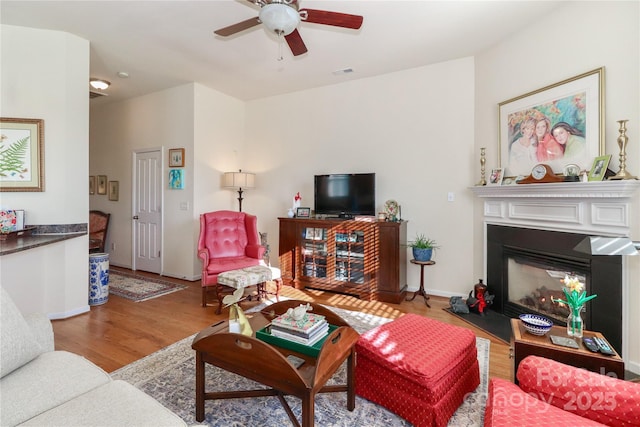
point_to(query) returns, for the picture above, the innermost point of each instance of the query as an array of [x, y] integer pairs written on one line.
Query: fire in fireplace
[[535, 287], [526, 268]]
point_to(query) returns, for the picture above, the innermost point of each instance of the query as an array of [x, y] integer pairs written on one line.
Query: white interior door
[[147, 211]]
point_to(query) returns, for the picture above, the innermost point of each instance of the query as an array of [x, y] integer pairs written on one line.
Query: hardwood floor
[[122, 331]]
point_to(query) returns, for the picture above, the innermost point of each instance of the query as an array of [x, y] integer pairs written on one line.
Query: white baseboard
[[191, 279], [632, 366], [68, 313]]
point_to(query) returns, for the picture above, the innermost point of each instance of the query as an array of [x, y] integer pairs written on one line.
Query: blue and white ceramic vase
[[422, 254], [98, 278]]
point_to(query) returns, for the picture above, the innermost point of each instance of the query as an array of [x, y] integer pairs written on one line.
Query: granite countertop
[[43, 235]]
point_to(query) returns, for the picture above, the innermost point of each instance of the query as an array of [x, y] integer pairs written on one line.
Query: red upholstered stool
[[418, 368]]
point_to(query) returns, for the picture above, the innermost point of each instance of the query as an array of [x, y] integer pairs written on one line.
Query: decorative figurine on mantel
[[622, 143]]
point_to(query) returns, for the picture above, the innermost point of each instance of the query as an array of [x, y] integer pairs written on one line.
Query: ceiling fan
[[283, 16]]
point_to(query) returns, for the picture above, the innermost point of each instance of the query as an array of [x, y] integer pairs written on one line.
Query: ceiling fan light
[[279, 18], [99, 84]]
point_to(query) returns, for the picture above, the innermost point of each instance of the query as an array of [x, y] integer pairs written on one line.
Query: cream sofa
[[43, 387]]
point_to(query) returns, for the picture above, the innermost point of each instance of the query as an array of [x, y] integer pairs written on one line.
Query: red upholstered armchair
[[551, 394], [228, 241]]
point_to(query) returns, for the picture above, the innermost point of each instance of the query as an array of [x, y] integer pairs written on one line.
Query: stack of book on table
[[308, 331]]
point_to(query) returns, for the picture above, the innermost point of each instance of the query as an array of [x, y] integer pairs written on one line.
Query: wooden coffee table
[[524, 344], [267, 364]]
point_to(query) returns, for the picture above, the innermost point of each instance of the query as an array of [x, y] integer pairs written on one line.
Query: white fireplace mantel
[[582, 207]]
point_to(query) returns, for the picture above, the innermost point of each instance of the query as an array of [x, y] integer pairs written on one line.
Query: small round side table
[[421, 290]]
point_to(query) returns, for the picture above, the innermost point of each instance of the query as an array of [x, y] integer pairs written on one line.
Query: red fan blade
[[236, 28], [332, 18], [295, 43]]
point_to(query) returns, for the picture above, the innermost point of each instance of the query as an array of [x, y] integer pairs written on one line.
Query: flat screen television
[[345, 195]]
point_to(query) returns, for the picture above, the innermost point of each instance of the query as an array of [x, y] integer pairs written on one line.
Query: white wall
[[219, 147], [208, 125], [413, 128], [576, 38], [160, 120], [45, 76]]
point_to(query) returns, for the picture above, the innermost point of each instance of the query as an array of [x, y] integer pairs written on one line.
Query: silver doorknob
[[135, 217]]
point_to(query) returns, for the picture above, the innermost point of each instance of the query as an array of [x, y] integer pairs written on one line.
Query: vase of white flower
[[575, 299], [575, 325]]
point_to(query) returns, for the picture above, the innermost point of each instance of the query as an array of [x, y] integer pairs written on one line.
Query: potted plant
[[422, 247]]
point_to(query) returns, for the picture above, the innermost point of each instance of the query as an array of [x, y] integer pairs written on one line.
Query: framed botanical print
[[102, 184], [114, 190], [176, 157], [22, 154]]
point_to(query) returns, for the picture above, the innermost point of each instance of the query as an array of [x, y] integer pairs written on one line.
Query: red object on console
[[554, 394], [228, 241], [418, 368]]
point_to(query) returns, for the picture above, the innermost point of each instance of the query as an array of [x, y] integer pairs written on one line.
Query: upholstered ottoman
[[257, 275], [418, 368]]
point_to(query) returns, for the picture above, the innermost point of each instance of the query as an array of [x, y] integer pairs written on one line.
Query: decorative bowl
[[536, 324]]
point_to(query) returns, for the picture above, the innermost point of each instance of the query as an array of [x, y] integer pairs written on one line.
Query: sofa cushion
[[18, 345], [116, 404], [588, 394], [509, 406], [46, 382], [233, 263]]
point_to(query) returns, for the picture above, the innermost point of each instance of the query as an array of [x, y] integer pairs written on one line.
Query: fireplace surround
[[560, 215]]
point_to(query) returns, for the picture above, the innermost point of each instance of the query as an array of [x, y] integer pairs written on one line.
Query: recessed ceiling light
[[123, 74], [343, 71], [99, 83]]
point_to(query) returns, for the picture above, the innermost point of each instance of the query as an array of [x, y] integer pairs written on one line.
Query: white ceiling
[[162, 44]]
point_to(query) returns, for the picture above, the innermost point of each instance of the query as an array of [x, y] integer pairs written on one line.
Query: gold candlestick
[[622, 143], [483, 161]]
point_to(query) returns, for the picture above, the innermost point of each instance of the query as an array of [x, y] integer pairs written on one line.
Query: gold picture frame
[[114, 190], [574, 106], [22, 151], [102, 184], [176, 157], [92, 184]]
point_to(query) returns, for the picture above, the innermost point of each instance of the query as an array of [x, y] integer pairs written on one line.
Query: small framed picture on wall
[[102, 184], [114, 190], [176, 157]]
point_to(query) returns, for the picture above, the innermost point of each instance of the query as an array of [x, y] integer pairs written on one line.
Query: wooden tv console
[[364, 259]]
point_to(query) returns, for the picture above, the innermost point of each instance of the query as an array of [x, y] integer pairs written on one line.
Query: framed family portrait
[[176, 157], [102, 184], [599, 167], [303, 212], [22, 153], [557, 125]]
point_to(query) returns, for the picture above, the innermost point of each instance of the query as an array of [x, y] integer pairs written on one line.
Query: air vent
[[96, 94]]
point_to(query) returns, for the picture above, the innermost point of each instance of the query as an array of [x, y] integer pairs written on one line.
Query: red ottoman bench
[[418, 368]]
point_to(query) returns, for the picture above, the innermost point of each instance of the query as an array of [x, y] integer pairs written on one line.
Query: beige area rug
[[139, 288], [169, 376]]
